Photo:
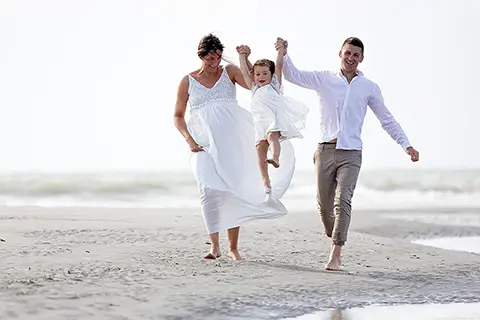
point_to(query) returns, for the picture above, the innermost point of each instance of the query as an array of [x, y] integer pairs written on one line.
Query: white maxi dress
[[227, 172]]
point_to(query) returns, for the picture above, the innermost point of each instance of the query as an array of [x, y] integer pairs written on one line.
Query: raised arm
[[306, 79], [246, 67], [389, 124], [179, 114], [249, 65], [246, 70], [243, 49], [279, 63]]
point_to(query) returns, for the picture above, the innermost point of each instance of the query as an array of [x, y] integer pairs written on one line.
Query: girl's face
[[262, 75]]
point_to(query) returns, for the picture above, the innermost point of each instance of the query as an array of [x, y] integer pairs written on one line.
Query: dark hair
[[265, 63], [208, 44], [354, 41]]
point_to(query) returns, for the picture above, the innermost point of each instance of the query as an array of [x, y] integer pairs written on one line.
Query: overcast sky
[[91, 84]]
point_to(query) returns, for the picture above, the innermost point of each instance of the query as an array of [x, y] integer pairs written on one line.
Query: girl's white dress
[[227, 171], [272, 111]]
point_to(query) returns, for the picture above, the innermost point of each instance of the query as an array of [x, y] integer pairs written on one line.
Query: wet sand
[[457, 311]]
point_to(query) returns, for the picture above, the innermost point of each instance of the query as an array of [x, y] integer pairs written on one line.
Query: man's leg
[[325, 168], [349, 163]]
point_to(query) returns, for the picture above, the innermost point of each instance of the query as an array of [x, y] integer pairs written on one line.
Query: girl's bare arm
[[246, 70], [279, 63]]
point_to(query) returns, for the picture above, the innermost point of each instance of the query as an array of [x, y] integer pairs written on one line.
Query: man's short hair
[[354, 41]]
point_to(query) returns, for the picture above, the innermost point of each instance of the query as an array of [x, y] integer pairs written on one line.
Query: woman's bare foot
[[213, 254], [335, 260], [235, 255], [274, 162]]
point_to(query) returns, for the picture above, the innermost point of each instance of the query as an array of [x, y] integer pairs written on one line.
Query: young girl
[[276, 118]]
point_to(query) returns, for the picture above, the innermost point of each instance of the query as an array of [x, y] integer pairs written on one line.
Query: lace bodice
[[222, 90]]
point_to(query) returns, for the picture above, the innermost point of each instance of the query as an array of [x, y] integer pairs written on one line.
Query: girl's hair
[[265, 63], [208, 44]]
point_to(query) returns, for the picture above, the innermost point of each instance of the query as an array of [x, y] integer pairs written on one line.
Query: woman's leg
[[272, 139], [262, 149], [211, 202], [233, 243], [214, 247]]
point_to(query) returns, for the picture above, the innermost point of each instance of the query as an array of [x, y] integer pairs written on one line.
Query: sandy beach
[[87, 263]]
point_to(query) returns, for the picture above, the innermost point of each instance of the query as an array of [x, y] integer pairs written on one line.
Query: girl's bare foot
[[267, 185], [274, 162], [213, 254], [235, 255]]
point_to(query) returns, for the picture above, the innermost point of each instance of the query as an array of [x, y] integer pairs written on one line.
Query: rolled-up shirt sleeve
[[306, 79], [388, 122]]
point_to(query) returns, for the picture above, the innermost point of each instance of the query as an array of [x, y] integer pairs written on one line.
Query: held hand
[[281, 45], [414, 154], [243, 50], [248, 51], [194, 147]]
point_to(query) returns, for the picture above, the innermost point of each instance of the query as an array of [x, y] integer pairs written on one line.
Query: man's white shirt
[[343, 105]]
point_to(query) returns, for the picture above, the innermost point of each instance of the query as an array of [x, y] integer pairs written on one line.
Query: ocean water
[[467, 244], [453, 311], [376, 189], [381, 189]]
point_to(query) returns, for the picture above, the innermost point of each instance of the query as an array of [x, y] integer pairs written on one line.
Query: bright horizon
[[91, 85]]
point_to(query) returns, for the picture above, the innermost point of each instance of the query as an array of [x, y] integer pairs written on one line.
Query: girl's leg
[[272, 139], [262, 149], [214, 247], [233, 242]]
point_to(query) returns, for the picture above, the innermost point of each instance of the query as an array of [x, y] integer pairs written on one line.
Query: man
[[344, 96]]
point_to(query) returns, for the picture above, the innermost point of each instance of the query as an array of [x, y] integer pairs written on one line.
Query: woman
[[220, 135]]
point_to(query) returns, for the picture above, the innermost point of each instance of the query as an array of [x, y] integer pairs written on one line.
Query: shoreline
[[147, 263], [470, 311]]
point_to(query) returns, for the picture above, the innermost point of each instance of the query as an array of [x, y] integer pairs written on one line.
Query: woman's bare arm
[[179, 114], [236, 76]]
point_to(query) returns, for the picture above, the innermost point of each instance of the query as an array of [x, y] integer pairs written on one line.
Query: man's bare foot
[[213, 254], [235, 255], [334, 264], [274, 162], [335, 260]]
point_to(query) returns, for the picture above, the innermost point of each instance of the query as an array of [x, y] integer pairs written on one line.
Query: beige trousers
[[337, 175]]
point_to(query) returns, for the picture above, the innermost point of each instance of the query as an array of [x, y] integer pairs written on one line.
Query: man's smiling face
[[350, 56]]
